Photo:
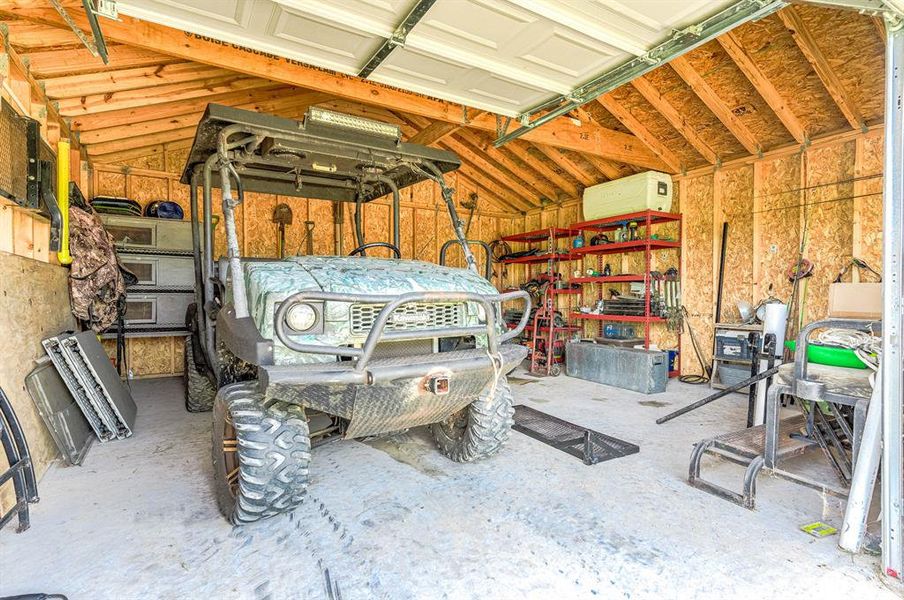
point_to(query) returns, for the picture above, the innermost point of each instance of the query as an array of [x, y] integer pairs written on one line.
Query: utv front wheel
[[480, 429], [261, 453], [199, 389]]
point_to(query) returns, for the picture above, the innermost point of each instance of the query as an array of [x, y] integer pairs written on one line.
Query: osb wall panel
[[829, 217], [734, 188], [34, 304], [697, 282], [777, 199], [868, 201]]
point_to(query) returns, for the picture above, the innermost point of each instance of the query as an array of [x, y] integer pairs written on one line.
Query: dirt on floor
[[391, 518]]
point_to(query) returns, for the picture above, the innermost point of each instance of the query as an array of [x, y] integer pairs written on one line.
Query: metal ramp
[[745, 447]]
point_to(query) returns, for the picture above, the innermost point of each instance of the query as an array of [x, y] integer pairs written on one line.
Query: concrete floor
[[393, 519]]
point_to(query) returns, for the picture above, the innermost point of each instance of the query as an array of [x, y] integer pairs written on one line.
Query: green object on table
[[834, 356]]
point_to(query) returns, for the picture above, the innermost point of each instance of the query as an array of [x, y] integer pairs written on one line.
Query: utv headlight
[[301, 317], [481, 313]]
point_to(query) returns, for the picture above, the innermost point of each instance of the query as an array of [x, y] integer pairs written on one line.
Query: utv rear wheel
[[261, 453], [199, 389], [480, 429]]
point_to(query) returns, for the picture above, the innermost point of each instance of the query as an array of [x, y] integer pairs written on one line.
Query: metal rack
[[546, 334], [645, 221]]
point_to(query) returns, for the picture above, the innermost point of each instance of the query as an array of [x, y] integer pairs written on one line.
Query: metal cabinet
[[159, 253]]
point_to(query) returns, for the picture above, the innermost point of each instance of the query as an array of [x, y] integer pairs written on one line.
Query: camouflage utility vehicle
[[286, 351]]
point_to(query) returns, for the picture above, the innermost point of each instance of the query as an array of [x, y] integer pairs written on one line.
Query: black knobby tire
[[199, 389], [480, 429], [261, 452]]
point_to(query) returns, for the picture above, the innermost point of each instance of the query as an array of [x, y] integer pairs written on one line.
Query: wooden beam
[[520, 150], [37, 93], [142, 151], [107, 82], [810, 49], [154, 139], [203, 88], [565, 161], [434, 132], [763, 86], [639, 129], [482, 190], [530, 177], [715, 104], [610, 171], [78, 61], [164, 110], [675, 118], [503, 195], [277, 104], [527, 197], [561, 133], [25, 36], [521, 195]]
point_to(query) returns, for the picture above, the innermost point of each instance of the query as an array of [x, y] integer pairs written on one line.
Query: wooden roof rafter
[[639, 129], [520, 195], [675, 119], [810, 49], [531, 178], [521, 150], [567, 164], [584, 138], [763, 86], [709, 97]]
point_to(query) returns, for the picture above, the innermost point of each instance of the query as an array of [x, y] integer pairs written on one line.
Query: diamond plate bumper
[[392, 393]]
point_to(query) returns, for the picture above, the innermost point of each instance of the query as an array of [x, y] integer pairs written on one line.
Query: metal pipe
[[681, 42], [196, 252], [453, 215], [207, 273], [865, 470], [892, 294], [359, 234], [239, 297], [717, 395]]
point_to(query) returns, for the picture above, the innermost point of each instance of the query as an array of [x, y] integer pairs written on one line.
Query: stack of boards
[[83, 371]]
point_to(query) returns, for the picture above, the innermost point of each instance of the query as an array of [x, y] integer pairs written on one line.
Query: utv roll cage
[[328, 156]]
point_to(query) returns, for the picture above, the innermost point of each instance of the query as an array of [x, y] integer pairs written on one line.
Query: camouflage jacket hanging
[[97, 280]]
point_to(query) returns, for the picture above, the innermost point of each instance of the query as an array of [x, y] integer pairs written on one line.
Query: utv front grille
[[408, 317]]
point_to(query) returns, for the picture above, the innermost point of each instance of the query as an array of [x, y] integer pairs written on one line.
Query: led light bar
[[335, 119]]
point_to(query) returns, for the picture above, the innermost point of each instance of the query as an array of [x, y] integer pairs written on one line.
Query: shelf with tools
[[548, 328], [652, 297]]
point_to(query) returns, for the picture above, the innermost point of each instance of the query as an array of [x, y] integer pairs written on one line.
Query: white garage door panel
[[505, 56], [321, 40]]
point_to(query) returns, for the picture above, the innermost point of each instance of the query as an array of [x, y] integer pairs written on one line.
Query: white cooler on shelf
[[650, 190]]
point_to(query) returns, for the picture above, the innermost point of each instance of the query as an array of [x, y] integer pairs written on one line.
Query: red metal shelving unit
[[543, 326], [645, 220]]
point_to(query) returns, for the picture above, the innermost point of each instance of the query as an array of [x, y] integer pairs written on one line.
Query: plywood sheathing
[[734, 205], [697, 285], [855, 52], [829, 221], [773, 50], [867, 235], [736, 92], [657, 125], [677, 93], [777, 199], [34, 304]]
